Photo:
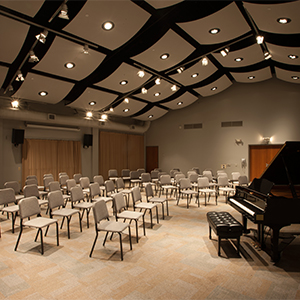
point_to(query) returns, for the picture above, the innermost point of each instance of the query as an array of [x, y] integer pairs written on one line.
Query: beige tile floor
[[175, 260]]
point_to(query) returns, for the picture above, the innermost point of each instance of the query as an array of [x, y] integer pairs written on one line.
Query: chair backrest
[[193, 177], [141, 171], [136, 194], [55, 199], [63, 179], [48, 175], [203, 182], [178, 177], [70, 183], [119, 202], [76, 194], [149, 191], [112, 173], [190, 172], [14, 185], [208, 174], [62, 173], [120, 183], [154, 174], [77, 176], [31, 190], [134, 175], [30, 181], [54, 186], [125, 173], [165, 179], [197, 170], [162, 173], [100, 211], [243, 180], [31, 177], [184, 183], [223, 180], [94, 189], [235, 175], [84, 182], [109, 187], [29, 207], [7, 196], [146, 177], [47, 181], [99, 179]]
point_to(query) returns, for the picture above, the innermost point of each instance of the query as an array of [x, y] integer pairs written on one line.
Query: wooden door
[[151, 158], [260, 156]]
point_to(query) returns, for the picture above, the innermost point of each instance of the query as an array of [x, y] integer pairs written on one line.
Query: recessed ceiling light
[[69, 65], [43, 93], [157, 94], [164, 56], [238, 59], [251, 77], [111, 109], [126, 110], [295, 77], [180, 103], [259, 39], [214, 30], [283, 20], [150, 116], [292, 56], [214, 88], [108, 25], [194, 75], [123, 82], [92, 103]]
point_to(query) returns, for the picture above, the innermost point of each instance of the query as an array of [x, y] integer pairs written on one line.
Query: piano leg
[[245, 230], [275, 255], [260, 235]]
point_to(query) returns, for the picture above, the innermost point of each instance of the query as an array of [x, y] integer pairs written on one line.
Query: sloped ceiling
[[142, 32]]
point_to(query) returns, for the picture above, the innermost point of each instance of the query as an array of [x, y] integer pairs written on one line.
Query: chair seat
[[169, 187], [227, 189], [145, 205], [129, 214], [189, 192], [40, 222], [42, 202], [158, 200], [112, 226], [19, 197], [10, 209], [126, 191], [206, 190], [43, 193], [64, 212], [84, 205], [106, 199]]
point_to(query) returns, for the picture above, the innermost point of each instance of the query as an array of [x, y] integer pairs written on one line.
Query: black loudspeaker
[[17, 136], [87, 140]]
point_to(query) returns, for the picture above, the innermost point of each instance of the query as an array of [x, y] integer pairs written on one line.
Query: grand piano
[[272, 200]]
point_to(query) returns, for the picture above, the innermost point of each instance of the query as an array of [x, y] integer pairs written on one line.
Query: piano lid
[[284, 169]]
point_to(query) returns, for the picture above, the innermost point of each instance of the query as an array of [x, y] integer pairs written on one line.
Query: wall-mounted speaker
[[17, 136], [87, 140]]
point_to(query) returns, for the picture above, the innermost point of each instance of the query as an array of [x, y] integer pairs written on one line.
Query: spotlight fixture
[[89, 114], [64, 12], [292, 56], [108, 25], [144, 91], [126, 100], [239, 142], [150, 116], [259, 39], [86, 49], [69, 65], [251, 77], [204, 61], [283, 20], [123, 82], [92, 103], [111, 109], [267, 55], [43, 93], [224, 52], [20, 76], [295, 77], [104, 117], [267, 140], [126, 110], [157, 81], [15, 104], [174, 88], [180, 70], [164, 56], [141, 73], [32, 57], [238, 59], [180, 103], [214, 30], [194, 75], [214, 88], [42, 36]]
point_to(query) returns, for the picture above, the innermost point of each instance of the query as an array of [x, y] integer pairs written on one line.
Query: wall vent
[[232, 124], [193, 126], [51, 116]]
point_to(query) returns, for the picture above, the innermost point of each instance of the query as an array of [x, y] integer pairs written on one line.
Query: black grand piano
[[272, 200]]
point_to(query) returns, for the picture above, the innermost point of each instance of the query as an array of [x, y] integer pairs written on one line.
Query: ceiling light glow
[[69, 65], [214, 88], [204, 61], [251, 77], [224, 52], [32, 57], [20, 76], [164, 56], [157, 94], [238, 59], [42, 36], [89, 114], [150, 116], [267, 55], [194, 75], [123, 82], [157, 81], [15, 104], [141, 73], [92, 103], [43, 93], [283, 20], [108, 25], [86, 49], [180, 70], [292, 56], [174, 88], [126, 110], [214, 30], [64, 12], [295, 77], [144, 91], [126, 100], [104, 117], [259, 39], [180, 103]]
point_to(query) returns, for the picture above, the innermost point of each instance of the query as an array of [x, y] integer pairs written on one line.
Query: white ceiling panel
[[34, 84], [128, 109], [26, 7], [162, 3], [289, 76], [63, 51], [127, 17], [3, 72], [169, 43], [182, 101], [253, 76], [229, 20], [281, 54], [152, 114]]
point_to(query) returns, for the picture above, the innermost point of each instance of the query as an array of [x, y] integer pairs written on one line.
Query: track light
[[144, 91], [104, 117], [259, 39], [64, 12], [32, 57], [180, 70], [267, 55], [204, 61], [174, 88], [42, 36], [224, 52], [20, 76], [89, 114], [126, 100], [15, 104], [86, 49], [157, 81], [141, 73]]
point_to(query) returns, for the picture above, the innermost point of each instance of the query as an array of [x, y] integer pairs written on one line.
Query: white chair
[[204, 188], [100, 180], [185, 188], [134, 178], [63, 181], [243, 180], [84, 183], [224, 186], [120, 186], [112, 174], [32, 190], [16, 186], [55, 186], [95, 193], [29, 207], [165, 184], [101, 214], [122, 213]]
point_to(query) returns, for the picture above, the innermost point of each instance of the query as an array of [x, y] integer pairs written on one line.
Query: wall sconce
[[267, 140], [239, 142]]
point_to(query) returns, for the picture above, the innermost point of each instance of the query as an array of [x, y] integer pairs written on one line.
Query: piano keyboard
[[243, 207]]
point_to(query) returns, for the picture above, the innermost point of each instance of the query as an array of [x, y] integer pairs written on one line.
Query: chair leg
[[129, 234], [121, 247], [19, 237], [137, 231], [162, 209], [42, 243], [105, 238], [96, 237], [144, 228], [167, 205], [57, 234], [80, 225], [157, 214], [150, 211], [68, 226]]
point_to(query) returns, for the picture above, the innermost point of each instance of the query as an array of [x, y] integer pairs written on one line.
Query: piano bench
[[225, 227]]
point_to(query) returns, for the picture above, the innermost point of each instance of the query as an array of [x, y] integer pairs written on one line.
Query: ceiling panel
[[253, 76], [281, 54], [152, 114], [289, 76], [164, 3], [128, 109], [182, 101], [26, 7]]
